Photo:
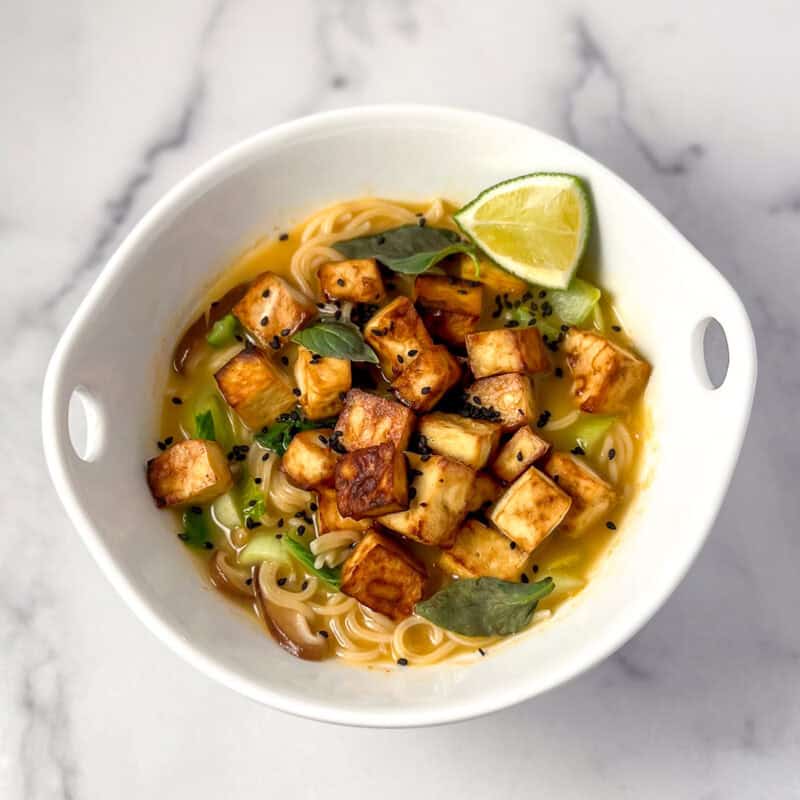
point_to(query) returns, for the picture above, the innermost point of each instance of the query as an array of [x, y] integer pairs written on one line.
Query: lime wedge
[[535, 226]]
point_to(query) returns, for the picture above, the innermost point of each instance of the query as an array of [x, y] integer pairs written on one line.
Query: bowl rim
[[54, 432]]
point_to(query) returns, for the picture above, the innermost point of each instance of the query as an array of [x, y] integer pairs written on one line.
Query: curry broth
[[570, 559]]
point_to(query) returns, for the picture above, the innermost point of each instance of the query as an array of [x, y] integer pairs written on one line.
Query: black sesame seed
[[184, 537], [542, 293], [381, 240], [208, 545], [535, 568], [196, 510], [301, 529], [251, 524], [512, 545], [249, 581], [481, 651], [512, 323], [281, 581], [257, 481], [412, 493], [296, 392], [520, 456], [275, 343], [280, 523], [477, 400], [313, 507], [265, 293], [558, 372], [544, 418], [425, 390], [578, 450], [161, 445], [612, 454], [285, 332], [176, 401], [168, 440], [524, 578], [616, 328], [265, 320], [285, 361], [400, 359], [323, 634], [340, 281], [611, 526], [422, 222], [303, 586], [403, 662], [565, 328], [283, 237], [279, 536], [412, 353], [265, 457]]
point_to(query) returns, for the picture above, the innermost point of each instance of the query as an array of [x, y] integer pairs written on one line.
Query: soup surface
[[264, 540]]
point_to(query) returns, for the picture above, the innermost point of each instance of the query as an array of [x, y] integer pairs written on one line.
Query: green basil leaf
[[484, 606], [409, 249], [278, 435], [336, 340], [204, 426], [195, 529], [223, 331], [330, 575]]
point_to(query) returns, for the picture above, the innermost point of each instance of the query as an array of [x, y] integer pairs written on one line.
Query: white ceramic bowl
[[116, 351]]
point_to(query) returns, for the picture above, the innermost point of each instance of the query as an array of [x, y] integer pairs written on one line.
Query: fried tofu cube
[[450, 307], [372, 482], [369, 420], [511, 396], [606, 378], [328, 516], [272, 310], [486, 491], [507, 350], [480, 551], [470, 441], [518, 453], [322, 382], [592, 497], [308, 461], [357, 281], [255, 389], [448, 326], [397, 335], [440, 493], [383, 576], [192, 471], [496, 280], [530, 509], [427, 378]]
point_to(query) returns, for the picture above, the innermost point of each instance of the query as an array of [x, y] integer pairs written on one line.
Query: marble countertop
[[108, 104]]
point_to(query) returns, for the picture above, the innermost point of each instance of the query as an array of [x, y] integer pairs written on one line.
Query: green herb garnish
[[204, 426], [277, 436], [410, 249], [195, 528], [224, 331], [336, 340], [330, 575], [484, 606]]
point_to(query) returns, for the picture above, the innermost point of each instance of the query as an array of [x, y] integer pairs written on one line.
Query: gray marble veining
[[107, 105]]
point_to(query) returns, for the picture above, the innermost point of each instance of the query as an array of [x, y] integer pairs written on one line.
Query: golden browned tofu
[[191, 471], [328, 516], [371, 482], [323, 383], [450, 307], [470, 441], [255, 389], [427, 378], [530, 509], [357, 281], [369, 420], [272, 310], [440, 493], [480, 551], [606, 378], [496, 280], [448, 326], [518, 453], [486, 491], [592, 497], [507, 350], [309, 462], [511, 396], [397, 335], [383, 576]]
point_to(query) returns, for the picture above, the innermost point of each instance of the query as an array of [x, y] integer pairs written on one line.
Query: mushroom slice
[[289, 627], [196, 333], [229, 578]]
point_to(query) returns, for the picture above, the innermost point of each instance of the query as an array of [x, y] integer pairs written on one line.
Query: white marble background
[[106, 104]]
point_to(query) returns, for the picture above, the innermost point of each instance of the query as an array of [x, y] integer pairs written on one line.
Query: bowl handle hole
[[85, 424], [711, 353]]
